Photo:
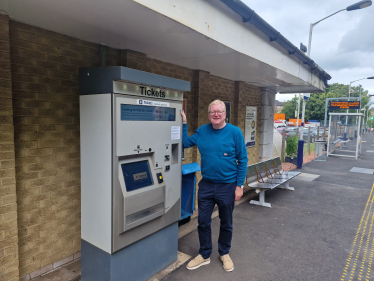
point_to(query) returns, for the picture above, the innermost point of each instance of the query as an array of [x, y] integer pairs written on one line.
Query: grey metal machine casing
[[115, 214]]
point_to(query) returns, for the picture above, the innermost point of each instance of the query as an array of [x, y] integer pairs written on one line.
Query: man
[[223, 168]]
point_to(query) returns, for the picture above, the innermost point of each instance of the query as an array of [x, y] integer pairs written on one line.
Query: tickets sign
[[335, 105]]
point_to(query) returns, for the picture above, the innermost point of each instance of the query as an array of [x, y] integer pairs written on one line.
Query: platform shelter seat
[[267, 175]]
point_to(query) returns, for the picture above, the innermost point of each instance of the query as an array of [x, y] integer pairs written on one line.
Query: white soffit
[[195, 34]]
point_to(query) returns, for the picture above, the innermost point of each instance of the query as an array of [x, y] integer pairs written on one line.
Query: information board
[[335, 105], [250, 126]]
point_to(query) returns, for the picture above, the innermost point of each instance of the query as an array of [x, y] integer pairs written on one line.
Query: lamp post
[[367, 112], [363, 120], [349, 95], [350, 83], [359, 5]]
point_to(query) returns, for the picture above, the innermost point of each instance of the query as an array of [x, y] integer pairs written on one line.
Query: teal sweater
[[223, 152]]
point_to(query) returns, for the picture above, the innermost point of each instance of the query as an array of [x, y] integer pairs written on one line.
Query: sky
[[343, 45]]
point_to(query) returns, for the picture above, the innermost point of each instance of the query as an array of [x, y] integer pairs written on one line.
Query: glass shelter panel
[[344, 135]]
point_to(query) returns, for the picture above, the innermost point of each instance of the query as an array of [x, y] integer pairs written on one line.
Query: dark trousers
[[222, 194]]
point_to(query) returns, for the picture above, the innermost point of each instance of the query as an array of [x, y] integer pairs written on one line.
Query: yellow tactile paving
[[368, 220]]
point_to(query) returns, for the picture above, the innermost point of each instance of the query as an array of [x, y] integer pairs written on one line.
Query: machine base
[[138, 261]]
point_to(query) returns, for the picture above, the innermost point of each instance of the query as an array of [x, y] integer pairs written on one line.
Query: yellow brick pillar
[[9, 264]]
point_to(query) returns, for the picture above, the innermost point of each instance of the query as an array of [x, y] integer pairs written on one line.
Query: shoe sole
[[201, 264], [228, 270]]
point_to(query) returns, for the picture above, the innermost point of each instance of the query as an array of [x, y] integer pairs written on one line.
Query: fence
[[309, 138]]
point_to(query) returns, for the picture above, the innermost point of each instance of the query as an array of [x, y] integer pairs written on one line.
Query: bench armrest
[[262, 175]]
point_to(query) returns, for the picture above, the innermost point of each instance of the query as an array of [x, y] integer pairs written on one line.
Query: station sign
[[335, 105]]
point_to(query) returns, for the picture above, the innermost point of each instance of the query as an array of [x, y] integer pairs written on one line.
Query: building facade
[[40, 130]]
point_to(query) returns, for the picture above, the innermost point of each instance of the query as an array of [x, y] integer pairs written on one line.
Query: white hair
[[217, 102]]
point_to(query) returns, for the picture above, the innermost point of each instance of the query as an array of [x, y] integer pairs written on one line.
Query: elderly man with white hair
[[223, 168]]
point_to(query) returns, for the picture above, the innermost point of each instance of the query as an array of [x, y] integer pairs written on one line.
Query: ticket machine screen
[[136, 175], [130, 112]]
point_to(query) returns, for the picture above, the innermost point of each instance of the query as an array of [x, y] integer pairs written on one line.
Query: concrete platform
[[322, 231]]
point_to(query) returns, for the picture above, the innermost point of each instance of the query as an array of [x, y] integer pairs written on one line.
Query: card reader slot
[[174, 153]]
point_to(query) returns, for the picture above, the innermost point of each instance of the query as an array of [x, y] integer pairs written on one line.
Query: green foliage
[[290, 106], [315, 107], [291, 147]]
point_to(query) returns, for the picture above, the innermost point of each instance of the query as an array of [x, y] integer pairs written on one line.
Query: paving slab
[[362, 170]]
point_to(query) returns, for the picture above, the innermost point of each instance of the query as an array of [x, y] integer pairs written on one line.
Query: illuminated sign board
[[335, 105]]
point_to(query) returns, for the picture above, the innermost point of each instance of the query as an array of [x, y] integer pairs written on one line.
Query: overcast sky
[[342, 45]]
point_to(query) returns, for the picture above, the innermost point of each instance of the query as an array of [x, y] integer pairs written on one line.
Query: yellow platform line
[[345, 271], [366, 249], [360, 244], [368, 272]]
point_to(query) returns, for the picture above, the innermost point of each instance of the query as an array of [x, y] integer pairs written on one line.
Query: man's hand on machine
[[238, 193], [184, 118]]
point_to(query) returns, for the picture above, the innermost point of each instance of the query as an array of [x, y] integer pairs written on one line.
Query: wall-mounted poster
[[250, 126]]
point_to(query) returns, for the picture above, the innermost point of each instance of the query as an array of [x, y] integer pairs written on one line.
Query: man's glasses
[[216, 112]]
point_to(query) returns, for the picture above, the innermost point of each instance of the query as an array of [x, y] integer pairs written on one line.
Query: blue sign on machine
[[136, 175]]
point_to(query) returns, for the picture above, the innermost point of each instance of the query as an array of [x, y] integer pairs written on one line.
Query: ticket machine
[[131, 154]]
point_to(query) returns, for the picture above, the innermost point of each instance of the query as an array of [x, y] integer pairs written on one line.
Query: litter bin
[[320, 150], [188, 189]]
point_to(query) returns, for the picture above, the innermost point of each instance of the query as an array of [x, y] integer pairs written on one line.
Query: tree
[[315, 107], [289, 107]]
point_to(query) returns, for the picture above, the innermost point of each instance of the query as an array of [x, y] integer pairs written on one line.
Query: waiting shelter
[[344, 137]]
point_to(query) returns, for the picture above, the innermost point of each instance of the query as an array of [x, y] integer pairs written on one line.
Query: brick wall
[[204, 89], [41, 74], [248, 95], [46, 117], [207, 88], [140, 61], [8, 201]]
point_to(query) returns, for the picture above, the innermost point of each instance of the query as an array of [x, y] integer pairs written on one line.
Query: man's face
[[216, 115]]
